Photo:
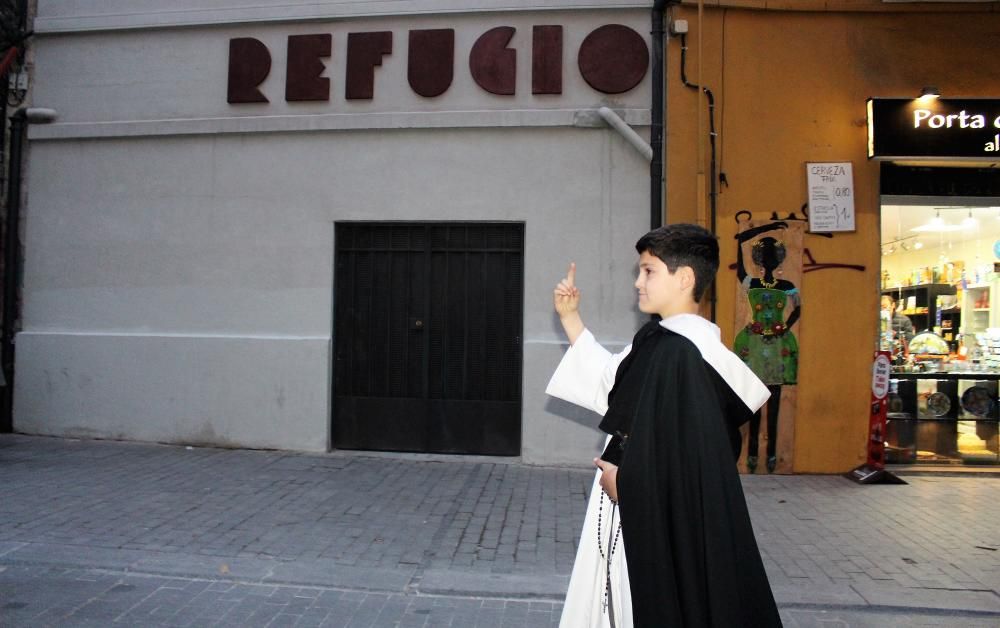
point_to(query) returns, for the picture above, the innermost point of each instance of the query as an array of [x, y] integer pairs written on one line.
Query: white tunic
[[584, 377]]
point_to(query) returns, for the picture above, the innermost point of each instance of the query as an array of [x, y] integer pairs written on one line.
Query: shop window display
[[941, 324]]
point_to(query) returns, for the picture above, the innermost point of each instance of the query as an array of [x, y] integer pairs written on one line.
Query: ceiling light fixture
[[937, 225]]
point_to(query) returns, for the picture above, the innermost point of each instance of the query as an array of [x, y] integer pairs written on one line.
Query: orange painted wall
[[790, 88]]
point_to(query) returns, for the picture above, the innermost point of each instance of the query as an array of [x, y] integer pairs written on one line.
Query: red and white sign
[[881, 373]]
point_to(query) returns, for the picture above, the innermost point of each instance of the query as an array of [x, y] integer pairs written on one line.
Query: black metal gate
[[427, 337]]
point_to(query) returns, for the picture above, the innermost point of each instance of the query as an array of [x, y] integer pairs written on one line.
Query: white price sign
[[831, 196], [881, 371]]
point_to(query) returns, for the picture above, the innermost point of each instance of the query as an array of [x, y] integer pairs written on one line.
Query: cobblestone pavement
[[54, 596], [99, 533]]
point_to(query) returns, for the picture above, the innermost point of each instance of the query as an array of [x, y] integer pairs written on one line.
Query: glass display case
[[943, 418]]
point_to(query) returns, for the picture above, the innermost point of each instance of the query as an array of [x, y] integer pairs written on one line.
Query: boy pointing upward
[[672, 404]]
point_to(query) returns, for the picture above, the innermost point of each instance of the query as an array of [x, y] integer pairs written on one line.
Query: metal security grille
[[428, 337]]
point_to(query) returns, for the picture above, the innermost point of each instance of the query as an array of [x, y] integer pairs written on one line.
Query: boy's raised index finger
[[571, 274]]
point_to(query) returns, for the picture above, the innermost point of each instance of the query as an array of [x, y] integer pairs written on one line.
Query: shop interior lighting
[[907, 243], [937, 224], [969, 222]]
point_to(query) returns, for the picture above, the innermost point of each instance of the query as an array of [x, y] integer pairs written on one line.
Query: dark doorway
[[427, 337]]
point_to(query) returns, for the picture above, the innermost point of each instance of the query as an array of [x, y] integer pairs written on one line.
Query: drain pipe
[[19, 122], [11, 242], [11, 266], [657, 212], [615, 122]]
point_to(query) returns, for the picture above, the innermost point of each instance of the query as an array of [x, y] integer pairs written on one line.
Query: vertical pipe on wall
[[12, 242], [656, 210], [12, 271], [713, 177]]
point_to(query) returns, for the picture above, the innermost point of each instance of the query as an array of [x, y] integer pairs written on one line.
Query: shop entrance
[[427, 337], [940, 315]]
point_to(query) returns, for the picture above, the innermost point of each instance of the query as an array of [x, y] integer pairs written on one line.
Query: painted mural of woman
[[767, 343]]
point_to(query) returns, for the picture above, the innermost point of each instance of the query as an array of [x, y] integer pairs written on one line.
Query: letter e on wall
[[303, 81]]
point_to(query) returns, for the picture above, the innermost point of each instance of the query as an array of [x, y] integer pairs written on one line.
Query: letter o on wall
[[613, 59]]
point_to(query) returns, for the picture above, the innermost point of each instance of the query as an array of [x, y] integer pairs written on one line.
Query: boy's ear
[[687, 277]]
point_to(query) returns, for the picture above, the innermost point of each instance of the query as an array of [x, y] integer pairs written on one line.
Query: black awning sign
[[940, 128]]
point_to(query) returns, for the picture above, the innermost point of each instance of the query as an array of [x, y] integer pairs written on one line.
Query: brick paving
[[935, 533], [99, 533]]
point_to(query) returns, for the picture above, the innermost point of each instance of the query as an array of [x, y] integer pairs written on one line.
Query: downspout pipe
[[657, 212], [12, 267], [615, 122], [712, 176], [11, 243], [19, 122]]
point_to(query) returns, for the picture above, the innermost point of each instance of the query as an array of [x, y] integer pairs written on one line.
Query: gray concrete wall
[[60, 16], [179, 251]]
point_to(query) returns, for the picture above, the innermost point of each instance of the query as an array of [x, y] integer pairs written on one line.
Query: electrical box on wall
[[19, 81]]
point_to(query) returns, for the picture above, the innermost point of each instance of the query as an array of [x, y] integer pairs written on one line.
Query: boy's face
[[661, 291]]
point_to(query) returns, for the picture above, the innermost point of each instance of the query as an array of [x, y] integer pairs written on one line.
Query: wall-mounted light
[[930, 93], [969, 222]]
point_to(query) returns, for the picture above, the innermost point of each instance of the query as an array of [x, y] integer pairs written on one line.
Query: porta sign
[[938, 128]]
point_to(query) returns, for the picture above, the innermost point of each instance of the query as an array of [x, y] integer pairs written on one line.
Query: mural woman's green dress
[[766, 344]]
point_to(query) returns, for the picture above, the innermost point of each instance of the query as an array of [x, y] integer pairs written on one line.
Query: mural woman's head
[[768, 253]]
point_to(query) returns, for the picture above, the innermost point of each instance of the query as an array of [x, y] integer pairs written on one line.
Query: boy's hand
[[566, 296], [609, 478]]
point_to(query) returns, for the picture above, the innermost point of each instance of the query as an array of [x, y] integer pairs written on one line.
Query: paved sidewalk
[[101, 533]]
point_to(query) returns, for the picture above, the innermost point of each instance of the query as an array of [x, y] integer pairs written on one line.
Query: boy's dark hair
[[684, 245]]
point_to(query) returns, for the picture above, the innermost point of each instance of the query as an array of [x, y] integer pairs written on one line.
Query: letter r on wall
[[249, 65]]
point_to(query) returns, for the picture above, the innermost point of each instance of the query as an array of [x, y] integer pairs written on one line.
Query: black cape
[[692, 557]]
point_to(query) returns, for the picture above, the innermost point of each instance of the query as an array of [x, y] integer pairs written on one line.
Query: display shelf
[[977, 300], [943, 418], [924, 312]]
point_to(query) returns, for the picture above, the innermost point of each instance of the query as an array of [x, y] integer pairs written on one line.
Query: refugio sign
[[938, 128], [612, 59]]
